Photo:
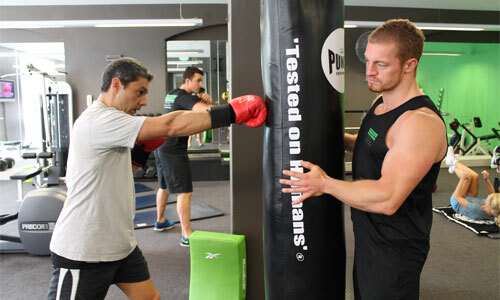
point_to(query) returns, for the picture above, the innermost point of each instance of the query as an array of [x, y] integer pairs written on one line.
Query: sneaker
[[202, 146], [451, 169], [184, 242], [495, 160], [450, 159], [160, 226]]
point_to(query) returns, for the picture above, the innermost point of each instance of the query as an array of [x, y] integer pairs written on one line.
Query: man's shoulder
[[178, 92], [423, 115]]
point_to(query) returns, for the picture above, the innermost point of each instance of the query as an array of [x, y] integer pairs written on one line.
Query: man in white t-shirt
[[93, 244]]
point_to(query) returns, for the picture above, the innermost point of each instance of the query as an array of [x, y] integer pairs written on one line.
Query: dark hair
[[408, 38], [126, 69], [190, 71]]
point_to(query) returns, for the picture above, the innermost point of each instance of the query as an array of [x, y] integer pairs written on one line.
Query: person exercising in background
[[464, 199], [93, 244], [172, 161], [396, 161], [199, 136]]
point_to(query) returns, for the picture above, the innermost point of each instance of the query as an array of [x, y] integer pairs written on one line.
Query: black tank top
[[402, 239], [178, 99]]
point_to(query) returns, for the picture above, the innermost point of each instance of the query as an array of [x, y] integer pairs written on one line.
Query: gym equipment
[[140, 173], [59, 117], [3, 165], [496, 132], [145, 219], [36, 218], [218, 266], [150, 172], [467, 143], [56, 119], [10, 162], [479, 227], [304, 248], [148, 201], [50, 173], [139, 188]]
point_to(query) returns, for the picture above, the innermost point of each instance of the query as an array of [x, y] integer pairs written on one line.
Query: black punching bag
[[303, 74]]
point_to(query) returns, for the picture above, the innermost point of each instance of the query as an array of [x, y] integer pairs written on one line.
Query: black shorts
[[378, 281], [82, 280], [174, 172]]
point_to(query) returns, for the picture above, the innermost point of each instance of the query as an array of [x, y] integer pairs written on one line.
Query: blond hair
[[494, 208], [408, 38]]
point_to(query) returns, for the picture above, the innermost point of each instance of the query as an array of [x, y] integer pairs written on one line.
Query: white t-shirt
[[97, 220]]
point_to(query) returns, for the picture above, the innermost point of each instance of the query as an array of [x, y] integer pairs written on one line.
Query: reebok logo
[[372, 136], [211, 255]]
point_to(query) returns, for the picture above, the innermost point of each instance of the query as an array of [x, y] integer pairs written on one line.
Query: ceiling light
[[451, 28], [429, 26], [177, 52], [150, 23], [444, 53], [101, 23], [185, 62], [179, 69]]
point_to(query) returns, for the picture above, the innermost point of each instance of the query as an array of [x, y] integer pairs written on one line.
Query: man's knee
[[467, 177], [185, 195], [156, 296]]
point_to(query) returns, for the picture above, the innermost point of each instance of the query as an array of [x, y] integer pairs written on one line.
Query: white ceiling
[[493, 5]]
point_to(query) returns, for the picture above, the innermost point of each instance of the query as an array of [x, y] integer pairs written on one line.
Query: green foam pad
[[218, 266]]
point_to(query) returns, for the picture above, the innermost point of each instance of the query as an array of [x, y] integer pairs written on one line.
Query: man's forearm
[[349, 141], [177, 123], [489, 186], [366, 195]]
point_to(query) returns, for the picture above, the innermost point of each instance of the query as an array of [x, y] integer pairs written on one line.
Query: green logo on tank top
[[372, 135], [169, 99]]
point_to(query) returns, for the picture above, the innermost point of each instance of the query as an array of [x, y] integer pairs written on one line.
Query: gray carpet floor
[[460, 266]]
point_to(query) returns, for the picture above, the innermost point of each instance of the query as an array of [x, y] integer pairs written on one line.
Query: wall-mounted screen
[[7, 89]]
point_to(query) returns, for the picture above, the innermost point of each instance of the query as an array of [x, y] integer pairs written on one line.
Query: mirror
[[210, 57], [32, 68]]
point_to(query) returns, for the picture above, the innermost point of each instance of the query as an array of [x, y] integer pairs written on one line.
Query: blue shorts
[[456, 206]]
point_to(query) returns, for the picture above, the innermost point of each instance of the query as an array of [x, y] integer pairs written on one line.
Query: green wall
[[471, 82]]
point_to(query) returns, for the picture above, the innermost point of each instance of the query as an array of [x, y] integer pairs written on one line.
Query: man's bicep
[[148, 129], [405, 165]]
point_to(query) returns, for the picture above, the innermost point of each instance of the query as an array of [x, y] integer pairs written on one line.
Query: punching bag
[[303, 74]]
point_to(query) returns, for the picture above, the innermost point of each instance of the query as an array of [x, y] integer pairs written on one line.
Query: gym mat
[[145, 219], [139, 188], [481, 228], [147, 201]]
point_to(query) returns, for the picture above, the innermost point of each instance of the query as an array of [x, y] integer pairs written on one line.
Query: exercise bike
[[37, 215]]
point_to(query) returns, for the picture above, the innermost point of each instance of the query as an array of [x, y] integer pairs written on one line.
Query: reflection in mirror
[[39, 116], [210, 57]]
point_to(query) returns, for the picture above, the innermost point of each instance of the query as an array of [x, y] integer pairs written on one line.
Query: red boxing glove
[[249, 109], [140, 152]]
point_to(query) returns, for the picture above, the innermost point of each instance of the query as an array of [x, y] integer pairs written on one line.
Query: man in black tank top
[[172, 161], [396, 159]]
